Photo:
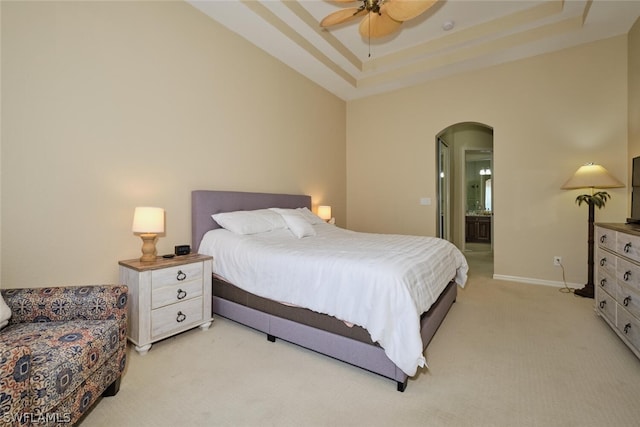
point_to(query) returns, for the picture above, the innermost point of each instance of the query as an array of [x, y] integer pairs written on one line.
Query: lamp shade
[[324, 212], [148, 220], [591, 176]]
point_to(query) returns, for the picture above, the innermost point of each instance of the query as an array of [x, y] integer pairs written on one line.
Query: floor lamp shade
[[591, 176], [148, 222]]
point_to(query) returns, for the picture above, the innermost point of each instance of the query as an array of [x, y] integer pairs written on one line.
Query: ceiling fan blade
[[341, 16], [403, 10], [375, 25]]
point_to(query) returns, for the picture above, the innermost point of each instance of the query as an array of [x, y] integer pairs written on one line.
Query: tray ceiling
[[484, 33]]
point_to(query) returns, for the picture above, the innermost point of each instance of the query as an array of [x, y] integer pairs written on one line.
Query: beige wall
[[108, 106], [550, 114], [111, 105]]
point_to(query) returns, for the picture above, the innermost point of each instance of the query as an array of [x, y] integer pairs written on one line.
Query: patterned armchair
[[64, 347]]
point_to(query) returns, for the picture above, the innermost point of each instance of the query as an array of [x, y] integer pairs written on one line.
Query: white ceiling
[[486, 32]]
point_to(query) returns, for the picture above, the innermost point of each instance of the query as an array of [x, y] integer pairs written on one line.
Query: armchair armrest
[[15, 374], [57, 304]]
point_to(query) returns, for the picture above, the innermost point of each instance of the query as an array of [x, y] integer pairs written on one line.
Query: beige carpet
[[508, 354]]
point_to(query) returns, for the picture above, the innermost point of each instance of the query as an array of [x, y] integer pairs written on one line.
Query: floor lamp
[[591, 176]]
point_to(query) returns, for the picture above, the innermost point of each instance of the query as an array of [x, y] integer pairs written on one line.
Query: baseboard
[[532, 281]]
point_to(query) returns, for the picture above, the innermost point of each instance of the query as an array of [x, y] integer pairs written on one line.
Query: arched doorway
[[465, 186]]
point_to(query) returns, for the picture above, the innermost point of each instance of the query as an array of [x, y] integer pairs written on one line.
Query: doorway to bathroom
[[466, 199]]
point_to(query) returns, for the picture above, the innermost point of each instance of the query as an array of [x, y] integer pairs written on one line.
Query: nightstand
[[166, 297]]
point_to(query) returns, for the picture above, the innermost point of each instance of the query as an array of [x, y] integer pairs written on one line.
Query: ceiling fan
[[381, 17]]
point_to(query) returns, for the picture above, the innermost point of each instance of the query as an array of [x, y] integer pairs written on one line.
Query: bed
[[306, 319]]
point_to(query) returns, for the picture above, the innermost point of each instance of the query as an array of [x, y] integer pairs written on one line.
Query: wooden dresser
[[617, 280]]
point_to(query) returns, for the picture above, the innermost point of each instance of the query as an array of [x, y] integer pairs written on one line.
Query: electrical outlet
[[557, 260]]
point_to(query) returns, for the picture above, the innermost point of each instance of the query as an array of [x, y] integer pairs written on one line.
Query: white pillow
[[274, 218], [297, 223], [249, 222], [5, 313], [310, 216]]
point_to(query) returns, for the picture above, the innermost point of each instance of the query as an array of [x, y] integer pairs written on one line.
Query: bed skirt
[[319, 332]]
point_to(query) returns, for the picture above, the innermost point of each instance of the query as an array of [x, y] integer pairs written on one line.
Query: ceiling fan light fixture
[[381, 17]]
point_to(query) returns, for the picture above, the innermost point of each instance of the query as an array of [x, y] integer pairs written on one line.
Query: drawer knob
[[603, 282], [181, 294], [603, 238], [181, 317], [627, 328], [626, 301], [603, 304], [627, 276], [181, 276], [603, 262], [627, 248]]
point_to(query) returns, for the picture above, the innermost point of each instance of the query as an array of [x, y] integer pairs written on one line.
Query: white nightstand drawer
[[176, 316], [175, 293], [629, 298], [629, 326], [606, 238], [606, 261], [178, 274], [629, 246], [606, 304]]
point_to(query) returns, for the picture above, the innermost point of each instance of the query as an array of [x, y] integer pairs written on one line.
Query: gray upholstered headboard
[[205, 203]]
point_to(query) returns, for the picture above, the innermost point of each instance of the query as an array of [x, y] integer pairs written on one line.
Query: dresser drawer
[[606, 304], [606, 238], [629, 326], [606, 261], [628, 273], [629, 298], [175, 293], [606, 281], [178, 274], [628, 246], [176, 317]]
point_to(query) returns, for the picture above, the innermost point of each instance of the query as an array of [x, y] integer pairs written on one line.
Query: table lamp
[[324, 212], [148, 222]]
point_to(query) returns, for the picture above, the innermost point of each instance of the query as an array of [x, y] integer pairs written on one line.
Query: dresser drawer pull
[[603, 282], [181, 276], [626, 301], [627, 248], [603, 239], [627, 276], [181, 294], [627, 328], [603, 262], [603, 304], [181, 317]]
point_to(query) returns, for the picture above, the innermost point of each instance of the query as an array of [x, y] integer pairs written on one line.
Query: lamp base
[[586, 292], [148, 247]]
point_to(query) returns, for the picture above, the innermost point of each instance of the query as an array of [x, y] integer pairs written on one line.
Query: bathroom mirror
[[478, 176]]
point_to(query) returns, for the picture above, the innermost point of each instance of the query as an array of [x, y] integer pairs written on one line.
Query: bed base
[[363, 355]]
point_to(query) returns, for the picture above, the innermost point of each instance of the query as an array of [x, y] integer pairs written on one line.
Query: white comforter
[[380, 282]]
